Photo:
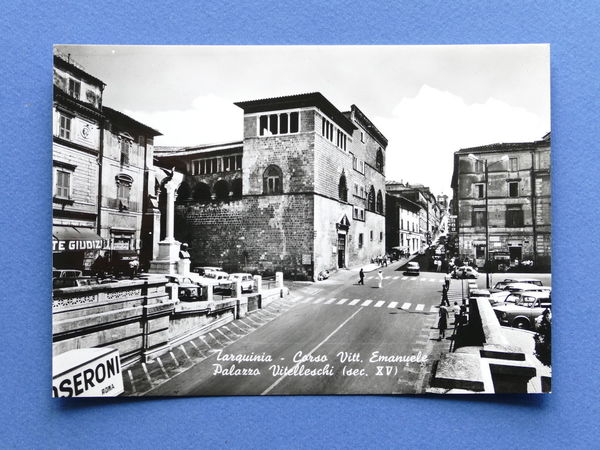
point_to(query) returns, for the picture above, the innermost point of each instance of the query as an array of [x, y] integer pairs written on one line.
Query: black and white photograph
[[301, 220]]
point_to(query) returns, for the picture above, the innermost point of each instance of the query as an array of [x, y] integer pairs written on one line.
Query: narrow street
[[355, 338]]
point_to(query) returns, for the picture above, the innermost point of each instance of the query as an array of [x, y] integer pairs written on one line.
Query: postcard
[[301, 220]]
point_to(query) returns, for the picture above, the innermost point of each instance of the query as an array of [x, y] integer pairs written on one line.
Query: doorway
[[341, 247], [515, 253]]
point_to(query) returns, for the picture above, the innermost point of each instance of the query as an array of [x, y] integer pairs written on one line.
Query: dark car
[[124, 262]]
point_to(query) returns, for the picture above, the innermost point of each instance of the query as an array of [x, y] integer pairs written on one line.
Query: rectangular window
[[514, 216], [63, 184], [480, 251], [362, 214], [74, 88], [402, 224], [273, 185], [371, 234], [479, 190], [360, 240], [141, 140], [380, 236], [478, 218], [513, 189], [125, 146], [294, 122], [123, 191], [362, 136], [64, 127], [273, 124], [514, 164], [478, 166], [283, 123], [263, 124], [238, 162]]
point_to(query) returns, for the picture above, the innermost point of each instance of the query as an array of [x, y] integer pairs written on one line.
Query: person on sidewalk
[[445, 300], [442, 321], [380, 277], [456, 311], [361, 276], [447, 279]]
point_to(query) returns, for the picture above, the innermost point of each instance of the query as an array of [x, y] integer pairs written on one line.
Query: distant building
[[517, 216], [303, 192], [402, 223]]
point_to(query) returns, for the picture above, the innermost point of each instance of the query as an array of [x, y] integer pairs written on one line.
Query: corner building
[[313, 190]]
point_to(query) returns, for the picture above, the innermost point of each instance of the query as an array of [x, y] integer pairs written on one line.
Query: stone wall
[[254, 234]]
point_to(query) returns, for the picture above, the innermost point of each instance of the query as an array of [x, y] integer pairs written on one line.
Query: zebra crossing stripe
[[354, 302], [404, 278], [330, 301], [386, 278], [393, 304], [395, 278], [342, 301], [378, 304], [405, 306], [319, 300], [434, 309], [420, 307], [367, 302]]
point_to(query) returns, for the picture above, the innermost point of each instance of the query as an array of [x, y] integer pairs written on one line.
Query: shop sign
[[63, 246], [89, 372]]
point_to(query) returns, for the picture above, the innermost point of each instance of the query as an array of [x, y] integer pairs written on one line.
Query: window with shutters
[[514, 216], [478, 217]]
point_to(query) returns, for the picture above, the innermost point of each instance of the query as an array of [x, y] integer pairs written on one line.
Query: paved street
[[324, 323]]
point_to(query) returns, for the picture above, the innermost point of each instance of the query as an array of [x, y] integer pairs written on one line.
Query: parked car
[[66, 282], [245, 279], [66, 273], [525, 310], [412, 268], [500, 285], [188, 287], [464, 272], [516, 288], [123, 262], [201, 270]]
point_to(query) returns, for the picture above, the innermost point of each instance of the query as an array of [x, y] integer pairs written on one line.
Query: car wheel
[[521, 323]]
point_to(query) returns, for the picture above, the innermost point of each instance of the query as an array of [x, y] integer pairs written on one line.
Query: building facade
[[403, 224], [304, 192], [103, 174], [76, 147], [501, 197]]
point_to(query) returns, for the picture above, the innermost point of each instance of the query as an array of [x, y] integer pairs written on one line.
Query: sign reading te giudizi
[[88, 372]]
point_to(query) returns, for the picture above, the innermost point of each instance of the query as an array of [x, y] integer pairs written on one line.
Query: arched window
[[222, 190], [371, 200], [342, 189], [379, 202], [201, 193], [272, 180], [183, 193], [379, 161], [236, 188]]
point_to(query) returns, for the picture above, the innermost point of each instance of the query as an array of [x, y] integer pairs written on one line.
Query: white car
[[245, 279], [465, 272], [517, 289], [522, 314]]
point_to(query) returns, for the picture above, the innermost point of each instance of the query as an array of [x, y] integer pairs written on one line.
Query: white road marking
[[354, 302], [224, 335], [280, 379], [195, 346], [146, 372], [307, 299], [319, 300], [238, 327], [434, 309], [162, 367], [404, 278], [184, 352], [420, 307], [387, 277], [393, 304], [405, 306], [342, 301], [174, 359], [395, 278], [133, 389], [367, 302], [330, 301], [378, 304], [205, 342]]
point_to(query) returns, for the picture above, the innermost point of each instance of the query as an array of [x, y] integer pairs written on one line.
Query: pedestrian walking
[[361, 276], [380, 276], [456, 311], [442, 321], [445, 296], [447, 279], [438, 263]]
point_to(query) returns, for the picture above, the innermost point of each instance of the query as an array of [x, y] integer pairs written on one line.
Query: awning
[[66, 238]]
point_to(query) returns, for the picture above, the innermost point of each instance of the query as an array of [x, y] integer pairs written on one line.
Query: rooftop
[[164, 151], [298, 101], [118, 116]]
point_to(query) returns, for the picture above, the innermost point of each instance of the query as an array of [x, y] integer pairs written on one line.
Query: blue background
[[30, 418]]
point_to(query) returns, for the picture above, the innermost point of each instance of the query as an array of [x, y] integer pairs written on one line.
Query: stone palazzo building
[[303, 192], [502, 202]]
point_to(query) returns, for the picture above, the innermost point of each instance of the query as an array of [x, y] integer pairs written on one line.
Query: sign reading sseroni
[[88, 372]]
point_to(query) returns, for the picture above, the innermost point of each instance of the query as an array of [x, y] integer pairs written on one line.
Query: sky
[[429, 101]]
